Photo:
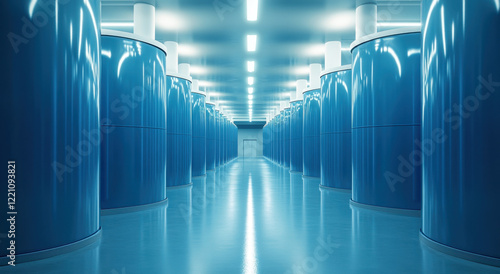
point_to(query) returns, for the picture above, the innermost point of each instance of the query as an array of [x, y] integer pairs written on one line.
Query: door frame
[[255, 140]]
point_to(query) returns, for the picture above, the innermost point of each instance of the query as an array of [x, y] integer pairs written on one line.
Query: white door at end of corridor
[[250, 148]]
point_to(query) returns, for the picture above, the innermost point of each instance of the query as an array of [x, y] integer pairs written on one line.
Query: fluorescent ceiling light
[[251, 81], [117, 24], [252, 9], [251, 42], [250, 102], [250, 90], [250, 97], [398, 24], [251, 66]]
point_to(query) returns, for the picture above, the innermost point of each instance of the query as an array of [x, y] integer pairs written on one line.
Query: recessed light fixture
[[399, 24], [117, 24], [250, 90], [251, 66], [250, 97], [251, 42], [252, 10], [251, 81]]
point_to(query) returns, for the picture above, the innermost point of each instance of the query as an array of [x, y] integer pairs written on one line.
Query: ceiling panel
[[291, 35]]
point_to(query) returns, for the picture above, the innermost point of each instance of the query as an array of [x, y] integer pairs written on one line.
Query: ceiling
[[291, 34]]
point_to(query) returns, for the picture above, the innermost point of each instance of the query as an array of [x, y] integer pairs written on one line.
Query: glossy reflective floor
[[252, 216]]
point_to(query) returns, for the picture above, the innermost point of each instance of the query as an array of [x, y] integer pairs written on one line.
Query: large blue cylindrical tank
[[222, 139], [199, 134], [133, 110], [217, 137], [211, 135], [281, 146], [50, 137], [226, 138], [461, 133], [335, 157], [296, 143], [286, 138], [179, 131], [386, 119], [311, 131]]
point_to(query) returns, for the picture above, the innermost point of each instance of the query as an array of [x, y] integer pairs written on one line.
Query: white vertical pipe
[[333, 55], [366, 19], [314, 73], [185, 70], [172, 56], [144, 20], [196, 86], [293, 95], [301, 86]]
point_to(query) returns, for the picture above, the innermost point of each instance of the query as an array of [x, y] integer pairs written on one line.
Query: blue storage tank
[[311, 131], [211, 135], [133, 111], [386, 119], [226, 138], [335, 157], [296, 143], [286, 138], [461, 133], [179, 131], [222, 139], [199, 134], [217, 137], [50, 137], [266, 140], [281, 132]]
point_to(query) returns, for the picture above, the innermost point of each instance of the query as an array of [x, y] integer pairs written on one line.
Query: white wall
[[250, 134]]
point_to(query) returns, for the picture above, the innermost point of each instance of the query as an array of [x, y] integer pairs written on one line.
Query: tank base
[[395, 211], [180, 186], [478, 258], [311, 177], [344, 190], [130, 209], [60, 250], [199, 176]]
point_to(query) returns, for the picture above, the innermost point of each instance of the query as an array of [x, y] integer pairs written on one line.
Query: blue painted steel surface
[[335, 130], [286, 138], [296, 143], [386, 122], [199, 135], [211, 136], [461, 80], [311, 132], [217, 138], [179, 131], [222, 139], [50, 122], [133, 112], [281, 146]]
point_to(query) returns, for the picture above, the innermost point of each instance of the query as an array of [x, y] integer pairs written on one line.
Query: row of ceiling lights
[[252, 14]]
